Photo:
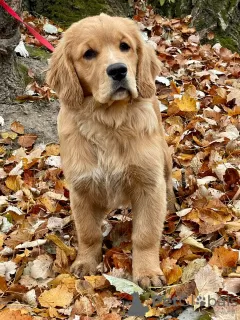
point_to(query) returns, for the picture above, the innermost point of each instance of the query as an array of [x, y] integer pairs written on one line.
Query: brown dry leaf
[[84, 288], [27, 140], [8, 314], [192, 268], [223, 257], [83, 306], [171, 270], [17, 127], [18, 236], [231, 285], [111, 316], [234, 94], [56, 297], [97, 282], [112, 302], [61, 263], [210, 35], [208, 280], [3, 284], [41, 267]]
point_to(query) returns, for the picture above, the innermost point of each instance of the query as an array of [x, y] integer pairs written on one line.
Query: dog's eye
[[124, 46], [90, 54]]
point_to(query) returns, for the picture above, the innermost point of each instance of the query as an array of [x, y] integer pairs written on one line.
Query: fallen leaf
[[27, 140], [14, 183], [56, 297], [97, 282], [192, 268], [171, 270], [111, 316], [52, 149], [208, 280], [7, 269], [123, 285], [223, 257], [8, 314], [17, 127], [83, 306], [234, 94], [71, 252], [41, 267], [232, 285]]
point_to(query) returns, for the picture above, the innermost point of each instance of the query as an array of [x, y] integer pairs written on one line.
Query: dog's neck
[[131, 118], [90, 101]]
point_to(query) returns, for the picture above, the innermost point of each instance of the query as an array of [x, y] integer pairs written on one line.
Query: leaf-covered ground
[[199, 95]]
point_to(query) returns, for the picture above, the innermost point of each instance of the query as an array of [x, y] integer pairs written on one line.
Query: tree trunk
[[10, 79]]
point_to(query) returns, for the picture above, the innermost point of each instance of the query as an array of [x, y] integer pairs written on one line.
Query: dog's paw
[[150, 279], [82, 268]]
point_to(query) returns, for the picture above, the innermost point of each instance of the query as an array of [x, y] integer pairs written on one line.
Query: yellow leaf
[[171, 270], [186, 104], [11, 135], [71, 252], [50, 204], [153, 312], [2, 150], [52, 149], [97, 282], [65, 279], [53, 313], [1, 239], [14, 183], [56, 297]]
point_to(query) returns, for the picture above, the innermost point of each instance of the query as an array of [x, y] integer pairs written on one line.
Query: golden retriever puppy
[[112, 142]]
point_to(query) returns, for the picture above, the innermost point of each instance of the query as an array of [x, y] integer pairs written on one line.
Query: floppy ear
[[148, 68], [62, 77]]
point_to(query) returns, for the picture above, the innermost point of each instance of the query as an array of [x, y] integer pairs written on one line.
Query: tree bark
[[10, 78]]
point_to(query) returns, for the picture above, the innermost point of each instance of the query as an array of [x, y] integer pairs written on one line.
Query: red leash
[[41, 39]]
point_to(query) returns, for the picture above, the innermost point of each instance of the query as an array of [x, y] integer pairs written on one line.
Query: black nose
[[117, 71]]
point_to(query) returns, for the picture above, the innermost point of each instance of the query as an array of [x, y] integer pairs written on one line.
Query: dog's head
[[105, 57]]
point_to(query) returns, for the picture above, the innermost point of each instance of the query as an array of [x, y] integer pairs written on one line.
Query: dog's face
[[105, 57]]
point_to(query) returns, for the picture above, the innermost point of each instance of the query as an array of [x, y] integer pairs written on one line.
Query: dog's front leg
[[88, 220], [149, 211]]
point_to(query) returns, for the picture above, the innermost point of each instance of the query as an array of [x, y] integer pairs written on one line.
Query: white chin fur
[[121, 95]]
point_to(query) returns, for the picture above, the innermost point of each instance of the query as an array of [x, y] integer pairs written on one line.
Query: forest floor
[[199, 95]]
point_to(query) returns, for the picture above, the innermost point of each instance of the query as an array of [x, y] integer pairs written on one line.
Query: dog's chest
[[119, 143]]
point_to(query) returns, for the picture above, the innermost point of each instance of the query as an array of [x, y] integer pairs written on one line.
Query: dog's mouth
[[120, 92], [121, 89]]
